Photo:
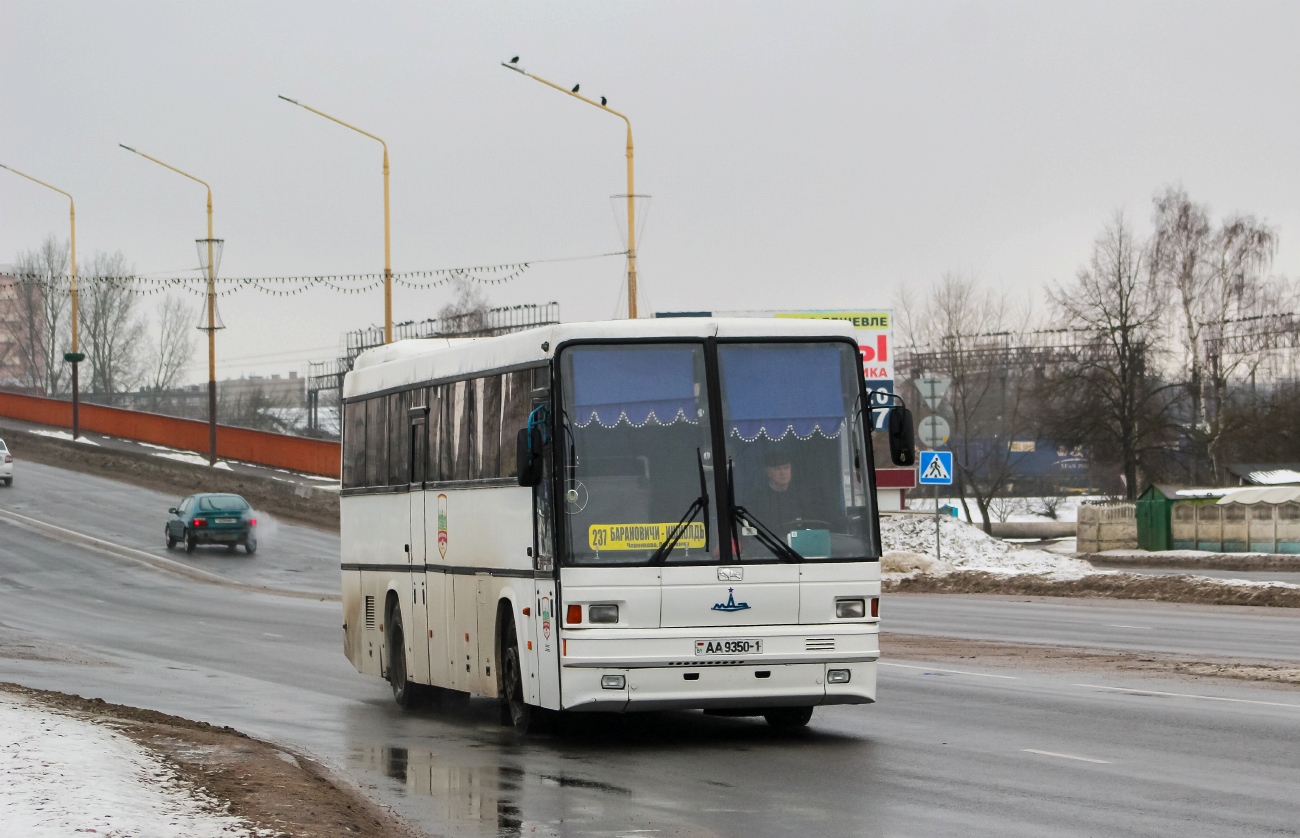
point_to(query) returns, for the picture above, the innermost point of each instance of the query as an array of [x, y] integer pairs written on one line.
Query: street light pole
[[631, 197], [74, 357], [212, 311], [388, 249]]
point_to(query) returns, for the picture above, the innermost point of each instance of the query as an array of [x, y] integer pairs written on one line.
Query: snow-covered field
[[61, 776], [909, 545]]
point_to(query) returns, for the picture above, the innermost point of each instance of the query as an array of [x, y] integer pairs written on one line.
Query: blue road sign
[[936, 468]]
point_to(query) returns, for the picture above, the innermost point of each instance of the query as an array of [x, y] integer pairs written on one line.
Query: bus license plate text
[[728, 647]]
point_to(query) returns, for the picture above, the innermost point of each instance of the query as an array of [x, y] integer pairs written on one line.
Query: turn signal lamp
[[573, 615], [875, 607]]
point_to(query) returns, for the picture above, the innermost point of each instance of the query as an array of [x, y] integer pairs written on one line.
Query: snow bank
[[908, 542], [60, 776]]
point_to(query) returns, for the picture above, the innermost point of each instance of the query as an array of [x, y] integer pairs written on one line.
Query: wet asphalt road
[[948, 751], [301, 558]]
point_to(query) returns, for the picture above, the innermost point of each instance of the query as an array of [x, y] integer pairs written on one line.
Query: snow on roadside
[[61, 775], [65, 435], [910, 538]]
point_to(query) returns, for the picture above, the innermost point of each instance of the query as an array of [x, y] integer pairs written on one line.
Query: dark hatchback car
[[212, 519]]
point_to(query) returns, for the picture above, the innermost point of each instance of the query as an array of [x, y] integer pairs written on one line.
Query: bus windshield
[[795, 451], [638, 462]]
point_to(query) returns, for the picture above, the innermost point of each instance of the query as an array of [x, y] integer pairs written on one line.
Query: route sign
[[934, 431], [936, 468], [932, 388]]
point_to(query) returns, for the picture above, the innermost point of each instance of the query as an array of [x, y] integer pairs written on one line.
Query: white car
[[6, 465]]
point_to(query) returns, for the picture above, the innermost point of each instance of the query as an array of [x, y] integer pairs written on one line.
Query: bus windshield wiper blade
[[670, 543], [766, 537], [700, 504]]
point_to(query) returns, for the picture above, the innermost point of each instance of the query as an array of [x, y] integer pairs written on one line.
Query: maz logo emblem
[[731, 574], [730, 604]]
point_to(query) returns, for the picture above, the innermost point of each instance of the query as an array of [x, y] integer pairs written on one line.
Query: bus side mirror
[[528, 456], [902, 443]]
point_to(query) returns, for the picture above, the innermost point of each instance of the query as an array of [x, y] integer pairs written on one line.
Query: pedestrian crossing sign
[[936, 468]]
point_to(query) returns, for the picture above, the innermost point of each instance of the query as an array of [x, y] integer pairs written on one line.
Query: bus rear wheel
[[788, 718], [521, 715], [407, 694]]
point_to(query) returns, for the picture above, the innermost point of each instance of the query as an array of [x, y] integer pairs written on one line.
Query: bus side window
[[491, 425], [377, 441], [354, 445], [399, 438], [446, 431], [517, 398], [434, 402], [462, 421]]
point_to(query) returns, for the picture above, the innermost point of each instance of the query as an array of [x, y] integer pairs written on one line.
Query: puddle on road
[[492, 800]]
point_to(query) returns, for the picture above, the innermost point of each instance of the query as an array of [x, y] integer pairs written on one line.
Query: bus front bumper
[[719, 687], [656, 675]]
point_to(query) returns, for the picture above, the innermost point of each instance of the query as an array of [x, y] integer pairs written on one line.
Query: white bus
[[616, 516]]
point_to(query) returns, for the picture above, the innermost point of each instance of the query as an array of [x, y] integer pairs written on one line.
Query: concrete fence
[[295, 453], [1107, 526]]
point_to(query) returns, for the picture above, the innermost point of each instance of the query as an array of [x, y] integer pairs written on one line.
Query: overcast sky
[[797, 154]]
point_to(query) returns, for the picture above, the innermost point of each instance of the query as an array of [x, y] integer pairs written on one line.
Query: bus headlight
[[847, 609], [602, 614], [838, 676], [613, 682]]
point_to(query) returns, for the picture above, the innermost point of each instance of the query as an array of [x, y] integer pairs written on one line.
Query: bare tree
[[173, 349], [956, 332], [467, 314], [41, 327], [113, 327], [1109, 395], [1216, 276]]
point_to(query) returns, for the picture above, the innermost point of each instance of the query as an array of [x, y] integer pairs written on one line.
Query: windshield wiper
[[699, 505], [762, 532]]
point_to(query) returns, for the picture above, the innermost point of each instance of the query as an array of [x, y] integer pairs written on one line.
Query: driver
[[779, 500]]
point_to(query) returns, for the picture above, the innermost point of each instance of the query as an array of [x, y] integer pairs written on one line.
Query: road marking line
[[1144, 628], [953, 671], [1066, 756], [1141, 691]]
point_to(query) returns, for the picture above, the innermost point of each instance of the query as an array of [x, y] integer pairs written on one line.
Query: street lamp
[[75, 357], [388, 250], [212, 327], [513, 64]]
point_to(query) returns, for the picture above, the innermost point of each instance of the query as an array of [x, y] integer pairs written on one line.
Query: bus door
[[416, 553], [546, 621]]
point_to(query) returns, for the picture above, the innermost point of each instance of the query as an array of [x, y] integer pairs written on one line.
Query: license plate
[[225, 520], [712, 648]]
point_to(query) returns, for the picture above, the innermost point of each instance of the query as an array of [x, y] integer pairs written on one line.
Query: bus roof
[[408, 362]]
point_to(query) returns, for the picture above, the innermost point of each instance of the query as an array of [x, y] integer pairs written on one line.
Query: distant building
[[14, 367], [290, 392]]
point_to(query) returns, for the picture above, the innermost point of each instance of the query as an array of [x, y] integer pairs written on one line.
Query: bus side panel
[[440, 626], [353, 618], [373, 529], [463, 645], [485, 673], [546, 645]]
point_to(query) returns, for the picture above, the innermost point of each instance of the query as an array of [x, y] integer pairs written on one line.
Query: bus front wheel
[[406, 694], [521, 715]]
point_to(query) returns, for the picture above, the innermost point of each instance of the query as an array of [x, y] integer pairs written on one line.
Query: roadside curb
[[148, 559]]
